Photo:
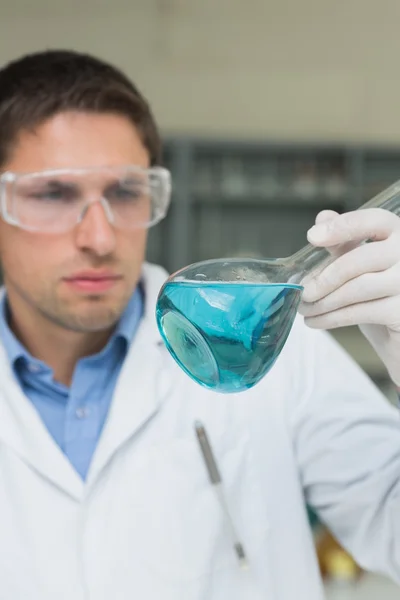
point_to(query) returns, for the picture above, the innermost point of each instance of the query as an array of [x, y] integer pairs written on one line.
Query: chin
[[100, 318]]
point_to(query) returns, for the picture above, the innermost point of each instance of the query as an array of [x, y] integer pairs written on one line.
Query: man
[[104, 490]]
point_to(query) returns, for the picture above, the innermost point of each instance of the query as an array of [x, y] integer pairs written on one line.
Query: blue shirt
[[74, 415]]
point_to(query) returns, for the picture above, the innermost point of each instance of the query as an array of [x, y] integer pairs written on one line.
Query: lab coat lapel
[[22, 431], [143, 383]]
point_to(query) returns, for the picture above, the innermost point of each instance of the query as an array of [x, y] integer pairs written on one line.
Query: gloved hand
[[362, 285]]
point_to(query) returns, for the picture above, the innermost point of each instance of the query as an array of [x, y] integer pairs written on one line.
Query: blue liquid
[[226, 336]]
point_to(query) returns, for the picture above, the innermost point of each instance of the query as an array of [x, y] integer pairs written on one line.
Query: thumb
[[325, 215]]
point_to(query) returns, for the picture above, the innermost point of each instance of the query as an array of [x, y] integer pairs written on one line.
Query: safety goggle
[[55, 201]]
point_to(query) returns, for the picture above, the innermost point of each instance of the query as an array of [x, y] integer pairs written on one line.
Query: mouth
[[92, 281]]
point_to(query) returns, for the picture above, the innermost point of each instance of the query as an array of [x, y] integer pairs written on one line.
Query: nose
[[94, 232]]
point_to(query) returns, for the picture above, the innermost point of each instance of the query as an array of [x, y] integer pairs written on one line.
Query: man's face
[[45, 273]]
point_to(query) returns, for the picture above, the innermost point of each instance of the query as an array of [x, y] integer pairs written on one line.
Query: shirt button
[[82, 412]]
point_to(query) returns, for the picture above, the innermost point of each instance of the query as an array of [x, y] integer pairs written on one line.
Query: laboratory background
[[270, 110]]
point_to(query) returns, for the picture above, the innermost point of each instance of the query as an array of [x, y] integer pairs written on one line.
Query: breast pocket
[[176, 515]]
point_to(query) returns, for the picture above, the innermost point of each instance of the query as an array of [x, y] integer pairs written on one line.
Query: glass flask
[[225, 321]]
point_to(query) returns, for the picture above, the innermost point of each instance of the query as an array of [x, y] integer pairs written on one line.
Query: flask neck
[[309, 260], [306, 262]]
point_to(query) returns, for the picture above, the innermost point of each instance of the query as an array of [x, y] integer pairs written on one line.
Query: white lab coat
[[146, 525]]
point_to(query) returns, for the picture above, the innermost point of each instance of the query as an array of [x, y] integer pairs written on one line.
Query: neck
[[57, 347]]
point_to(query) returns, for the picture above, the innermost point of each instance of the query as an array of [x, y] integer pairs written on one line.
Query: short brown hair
[[38, 86]]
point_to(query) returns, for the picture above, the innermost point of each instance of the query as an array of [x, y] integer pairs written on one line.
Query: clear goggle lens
[[56, 201]]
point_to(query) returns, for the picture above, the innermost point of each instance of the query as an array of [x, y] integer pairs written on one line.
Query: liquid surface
[[226, 336]]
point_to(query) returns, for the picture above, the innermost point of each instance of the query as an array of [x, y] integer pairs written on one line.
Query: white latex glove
[[362, 285]]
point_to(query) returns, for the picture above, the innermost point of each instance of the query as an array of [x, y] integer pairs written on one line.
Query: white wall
[[264, 68]]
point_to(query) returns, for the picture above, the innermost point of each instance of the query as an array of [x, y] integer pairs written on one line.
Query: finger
[[355, 226], [367, 287], [374, 312], [325, 215], [371, 258]]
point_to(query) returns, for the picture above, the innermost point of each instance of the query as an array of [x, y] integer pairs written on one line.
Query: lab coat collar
[[153, 277], [144, 381], [139, 391]]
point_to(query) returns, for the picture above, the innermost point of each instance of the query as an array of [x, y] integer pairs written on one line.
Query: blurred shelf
[[262, 196], [286, 201]]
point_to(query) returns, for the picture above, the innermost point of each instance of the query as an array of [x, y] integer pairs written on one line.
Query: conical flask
[[225, 321]]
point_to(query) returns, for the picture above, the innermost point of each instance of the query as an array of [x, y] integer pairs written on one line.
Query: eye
[[51, 193], [128, 192], [125, 192]]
